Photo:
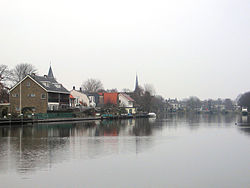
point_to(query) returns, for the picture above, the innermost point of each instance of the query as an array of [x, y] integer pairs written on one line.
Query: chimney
[[74, 88], [80, 89]]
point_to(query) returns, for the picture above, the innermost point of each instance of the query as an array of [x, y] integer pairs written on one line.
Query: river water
[[173, 151]]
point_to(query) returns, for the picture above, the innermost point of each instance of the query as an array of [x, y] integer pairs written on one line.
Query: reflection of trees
[[142, 128], [245, 130], [27, 149]]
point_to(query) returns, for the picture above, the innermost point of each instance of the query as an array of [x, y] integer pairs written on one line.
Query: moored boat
[[152, 115]]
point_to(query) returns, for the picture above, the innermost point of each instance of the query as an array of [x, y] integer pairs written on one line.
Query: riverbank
[[30, 121]]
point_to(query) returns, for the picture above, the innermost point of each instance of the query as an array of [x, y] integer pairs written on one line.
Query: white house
[[92, 101], [127, 102], [81, 99]]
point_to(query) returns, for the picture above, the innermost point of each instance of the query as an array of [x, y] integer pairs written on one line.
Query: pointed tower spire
[[50, 74], [136, 83]]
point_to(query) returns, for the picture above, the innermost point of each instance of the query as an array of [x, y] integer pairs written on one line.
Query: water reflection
[[30, 148], [40, 147]]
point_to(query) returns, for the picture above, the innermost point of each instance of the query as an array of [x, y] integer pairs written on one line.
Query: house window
[[32, 95], [58, 85], [15, 95], [17, 108], [28, 84], [46, 84], [43, 96]]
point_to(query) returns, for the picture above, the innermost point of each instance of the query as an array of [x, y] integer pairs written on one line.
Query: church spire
[[50, 74], [136, 83]]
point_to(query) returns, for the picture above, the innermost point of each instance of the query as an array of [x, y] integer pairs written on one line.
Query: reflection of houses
[[78, 98], [39, 94]]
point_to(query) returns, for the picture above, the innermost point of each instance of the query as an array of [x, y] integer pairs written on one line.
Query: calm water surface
[[174, 151]]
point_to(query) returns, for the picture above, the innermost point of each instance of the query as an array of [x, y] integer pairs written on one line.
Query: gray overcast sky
[[183, 47]]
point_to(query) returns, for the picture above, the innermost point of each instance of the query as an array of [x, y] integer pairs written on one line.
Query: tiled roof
[[128, 97], [51, 87]]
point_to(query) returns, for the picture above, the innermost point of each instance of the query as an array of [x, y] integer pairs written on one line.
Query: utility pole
[[20, 104]]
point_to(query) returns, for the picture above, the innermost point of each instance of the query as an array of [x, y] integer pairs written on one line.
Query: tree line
[[145, 97], [9, 77]]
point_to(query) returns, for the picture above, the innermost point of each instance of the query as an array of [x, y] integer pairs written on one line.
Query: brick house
[[39, 93]]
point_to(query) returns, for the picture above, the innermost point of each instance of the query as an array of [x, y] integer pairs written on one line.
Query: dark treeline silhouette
[[244, 100]]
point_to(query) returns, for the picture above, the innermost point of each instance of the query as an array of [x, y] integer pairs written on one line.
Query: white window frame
[[43, 94], [15, 95]]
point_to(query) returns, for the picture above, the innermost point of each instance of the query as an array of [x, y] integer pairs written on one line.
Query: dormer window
[[46, 84], [57, 85]]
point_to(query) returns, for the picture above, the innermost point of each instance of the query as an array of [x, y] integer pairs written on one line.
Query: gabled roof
[[40, 79], [51, 84], [28, 76], [127, 97], [78, 91]]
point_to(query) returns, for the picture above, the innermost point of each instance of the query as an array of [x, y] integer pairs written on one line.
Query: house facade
[[126, 102], [39, 94], [110, 98], [81, 99]]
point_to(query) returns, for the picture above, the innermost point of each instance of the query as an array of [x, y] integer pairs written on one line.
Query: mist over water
[[172, 151]]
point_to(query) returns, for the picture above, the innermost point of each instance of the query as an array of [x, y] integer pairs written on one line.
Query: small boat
[[151, 115], [244, 111]]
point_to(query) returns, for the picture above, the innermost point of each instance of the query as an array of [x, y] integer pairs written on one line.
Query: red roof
[[110, 98], [128, 97]]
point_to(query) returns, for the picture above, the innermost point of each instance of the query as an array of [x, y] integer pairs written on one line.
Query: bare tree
[[92, 85], [149, 88], [22, 70], [4, 78], [157, 103], [4, 75], [244, 100], [193, 103], [113, 90]]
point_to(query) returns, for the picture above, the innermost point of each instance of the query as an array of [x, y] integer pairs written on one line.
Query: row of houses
[[40, 94], [219, 105]]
